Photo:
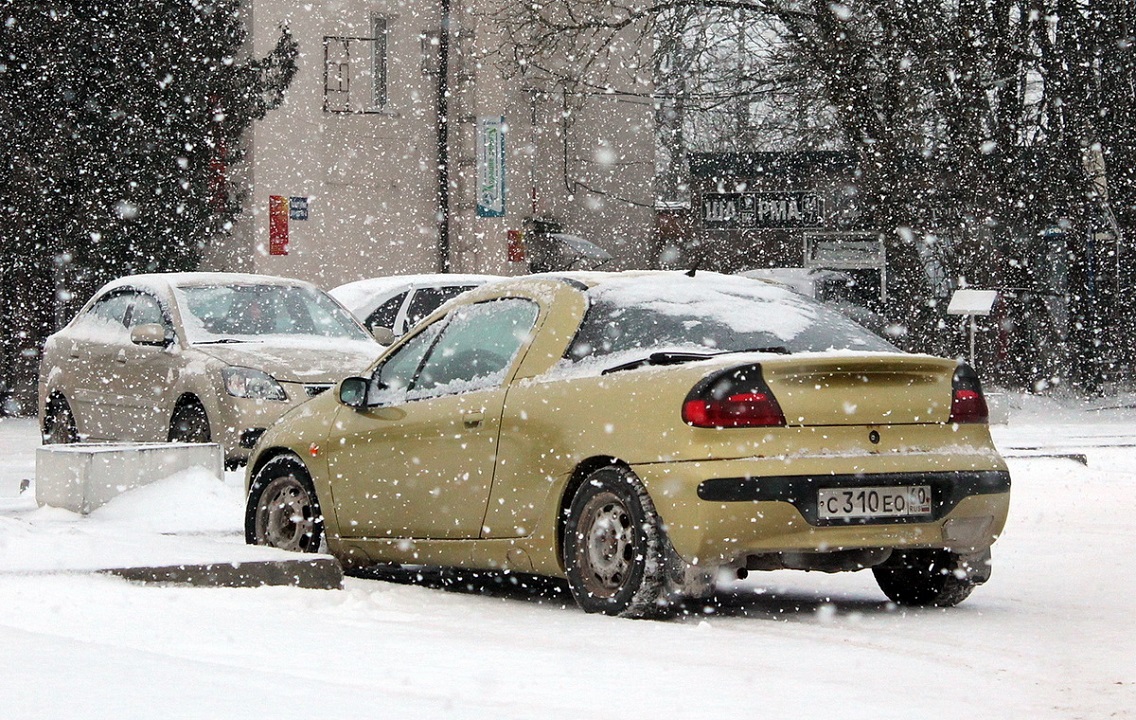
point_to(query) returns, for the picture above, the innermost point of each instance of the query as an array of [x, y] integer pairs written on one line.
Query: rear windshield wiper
[[661, 358], [774, 349], [222, 341], [678, 358]]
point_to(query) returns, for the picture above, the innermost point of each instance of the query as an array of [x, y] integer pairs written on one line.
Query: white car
[[397, 302], [195, 357]]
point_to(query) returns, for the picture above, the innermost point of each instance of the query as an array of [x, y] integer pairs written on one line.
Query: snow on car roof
[[165, 280], [708, 295], [356, 295]]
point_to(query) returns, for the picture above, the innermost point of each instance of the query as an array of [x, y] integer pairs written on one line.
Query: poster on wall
[[281, 209], [491, 166], [278, 210]]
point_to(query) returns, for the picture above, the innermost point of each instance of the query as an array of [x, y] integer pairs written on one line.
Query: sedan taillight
[[967, 403], [732, 398]]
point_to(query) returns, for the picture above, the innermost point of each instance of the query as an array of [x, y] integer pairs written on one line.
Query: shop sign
[[725, 211]]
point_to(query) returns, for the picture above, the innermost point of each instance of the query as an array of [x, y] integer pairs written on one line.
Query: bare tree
[[989, 134]]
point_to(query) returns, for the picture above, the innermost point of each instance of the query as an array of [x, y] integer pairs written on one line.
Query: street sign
[[972, 303]]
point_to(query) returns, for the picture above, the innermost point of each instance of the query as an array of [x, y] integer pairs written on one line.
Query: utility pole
[[444, 263]]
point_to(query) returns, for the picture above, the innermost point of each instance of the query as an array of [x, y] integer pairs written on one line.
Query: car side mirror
[[152, 334], [383, 335], [353, 392]]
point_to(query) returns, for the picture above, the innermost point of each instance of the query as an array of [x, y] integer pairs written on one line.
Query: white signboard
[[491, 166], [972, 302], [844, 251]]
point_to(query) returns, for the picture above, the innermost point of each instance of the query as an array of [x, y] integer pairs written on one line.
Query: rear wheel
[[614, 547], [190, 424], [924, 577], [59, 425], [282, 510]]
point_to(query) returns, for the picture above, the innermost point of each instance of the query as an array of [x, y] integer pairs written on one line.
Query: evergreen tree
[[124, 119]]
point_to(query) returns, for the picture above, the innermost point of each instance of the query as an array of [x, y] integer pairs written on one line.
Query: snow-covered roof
[[358, 294]]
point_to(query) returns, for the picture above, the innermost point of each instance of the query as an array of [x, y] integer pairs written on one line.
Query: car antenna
[[693, 268]]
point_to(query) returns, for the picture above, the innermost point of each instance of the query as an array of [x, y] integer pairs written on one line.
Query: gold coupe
[[643, 435]]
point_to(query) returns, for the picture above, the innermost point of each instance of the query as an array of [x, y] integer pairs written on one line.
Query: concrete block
[[84, 476]]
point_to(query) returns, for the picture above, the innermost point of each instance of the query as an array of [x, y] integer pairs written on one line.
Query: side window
[[112, 308], [427, 300], [385, 314], [395, 375], [476, 347], [146, 310], [106, 320]]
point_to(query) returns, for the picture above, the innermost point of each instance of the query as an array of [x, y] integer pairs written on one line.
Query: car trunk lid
[[876, 389]]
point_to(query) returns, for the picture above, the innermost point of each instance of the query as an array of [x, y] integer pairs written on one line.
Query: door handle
[[74, 350], [473, 419], [121, 357]]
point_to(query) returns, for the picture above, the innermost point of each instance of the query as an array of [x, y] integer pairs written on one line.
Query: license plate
[[873, 502]]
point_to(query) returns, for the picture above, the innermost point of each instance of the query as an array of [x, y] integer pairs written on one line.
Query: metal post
[[973, 327]]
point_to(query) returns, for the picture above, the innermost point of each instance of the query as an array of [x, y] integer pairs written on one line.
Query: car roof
[[183, 279], [596, 278], [361, 294], [385, 282]]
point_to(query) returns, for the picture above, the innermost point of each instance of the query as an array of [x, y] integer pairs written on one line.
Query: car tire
[[59, 425], [190, 423], [614, 547], [923, 578], [283, 510]]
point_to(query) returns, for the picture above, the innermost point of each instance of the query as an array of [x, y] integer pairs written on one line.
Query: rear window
[[711, 313]]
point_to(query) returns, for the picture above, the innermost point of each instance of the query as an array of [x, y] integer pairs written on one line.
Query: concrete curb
[[322, 573]]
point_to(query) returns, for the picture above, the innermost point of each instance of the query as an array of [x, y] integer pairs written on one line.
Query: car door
[[86, 358], [144, 374], [418, 462]]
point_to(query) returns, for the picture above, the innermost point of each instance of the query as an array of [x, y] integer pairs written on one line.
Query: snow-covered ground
[[1052, 635]]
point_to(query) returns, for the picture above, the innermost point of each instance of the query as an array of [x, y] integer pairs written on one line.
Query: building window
[[378, 62], [352, 81]]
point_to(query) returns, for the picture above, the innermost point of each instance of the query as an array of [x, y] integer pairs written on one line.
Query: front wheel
[[924, 577], [282, 510], [614, 546]]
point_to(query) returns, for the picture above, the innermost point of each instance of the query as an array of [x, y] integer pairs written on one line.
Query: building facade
[[404, 145]]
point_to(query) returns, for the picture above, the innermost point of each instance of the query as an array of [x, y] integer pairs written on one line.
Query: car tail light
[[967, 404], [732, 398]]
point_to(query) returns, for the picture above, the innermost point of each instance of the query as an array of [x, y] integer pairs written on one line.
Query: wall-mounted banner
[[722, 211], [491, 166], [278, 209]]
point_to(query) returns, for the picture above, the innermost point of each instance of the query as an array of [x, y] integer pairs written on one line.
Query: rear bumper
[[719, 513], [948, 489]]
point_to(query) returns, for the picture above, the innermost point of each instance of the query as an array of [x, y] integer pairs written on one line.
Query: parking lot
[[1050, 636]]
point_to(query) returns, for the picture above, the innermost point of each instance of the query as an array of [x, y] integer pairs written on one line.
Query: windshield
[[711, 313], [241, 312]]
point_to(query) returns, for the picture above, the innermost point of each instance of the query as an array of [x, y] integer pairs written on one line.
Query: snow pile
[[190, 501]]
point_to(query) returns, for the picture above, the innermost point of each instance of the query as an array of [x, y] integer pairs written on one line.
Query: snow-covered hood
[[303, 362]]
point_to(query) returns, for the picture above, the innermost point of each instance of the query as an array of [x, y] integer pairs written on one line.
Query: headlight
[[245, 382]]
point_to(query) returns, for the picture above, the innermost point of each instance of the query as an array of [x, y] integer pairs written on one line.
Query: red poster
[[516, 252], [277, 225]]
